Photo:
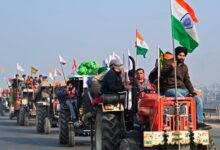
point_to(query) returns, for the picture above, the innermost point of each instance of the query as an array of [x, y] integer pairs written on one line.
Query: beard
[[180, 60]]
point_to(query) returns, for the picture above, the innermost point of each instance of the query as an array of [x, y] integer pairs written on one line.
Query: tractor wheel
[[2, 109], [128, 144], [107, 131], [26, 119], [21, 116], [40, 118], [47, 125], [63, 126], [16, 115], [10, 116], [71, 141]]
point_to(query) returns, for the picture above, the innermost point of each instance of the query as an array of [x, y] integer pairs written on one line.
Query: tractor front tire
[[107, 131]]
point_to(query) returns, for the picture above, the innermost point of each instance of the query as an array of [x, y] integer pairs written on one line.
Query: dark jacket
[[168, 80], [112, 83]]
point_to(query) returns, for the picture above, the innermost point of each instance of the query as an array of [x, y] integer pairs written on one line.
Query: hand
[[174, 64], [127, 86]]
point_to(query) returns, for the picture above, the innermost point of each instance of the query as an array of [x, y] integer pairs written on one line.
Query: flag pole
[[175, 76], [136, 60], [158, 71], [63, 72], [31, 71]]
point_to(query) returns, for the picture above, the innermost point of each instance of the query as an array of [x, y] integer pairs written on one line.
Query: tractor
[[27, 107], [71, 122], [161, 124], [47, 108]]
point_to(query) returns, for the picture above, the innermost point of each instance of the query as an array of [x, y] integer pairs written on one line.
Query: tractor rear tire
[[40, 118], [65, 117], [107, 131]]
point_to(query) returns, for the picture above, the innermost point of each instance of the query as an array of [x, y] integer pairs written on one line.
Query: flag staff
[[136, 51], [63, 72], [175, 76], [158, 71]]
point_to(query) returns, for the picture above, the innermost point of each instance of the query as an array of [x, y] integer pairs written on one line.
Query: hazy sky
[[34, 33]]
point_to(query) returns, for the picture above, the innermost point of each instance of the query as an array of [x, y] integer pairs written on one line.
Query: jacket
[[168, 80], [112, 82]]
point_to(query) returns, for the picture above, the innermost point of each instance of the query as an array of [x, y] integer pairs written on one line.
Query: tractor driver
[[112, 82]]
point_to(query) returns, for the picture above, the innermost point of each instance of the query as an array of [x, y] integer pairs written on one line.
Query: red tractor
[[161, 124]]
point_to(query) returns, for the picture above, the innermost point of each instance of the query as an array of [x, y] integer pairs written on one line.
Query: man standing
[[184, 85]]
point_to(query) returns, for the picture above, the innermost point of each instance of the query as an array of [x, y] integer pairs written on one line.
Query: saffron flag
[[62, 60], [183, 19], [19, 68], [141, 45], [57, 73], [3, 69], [74, 66], [33, 70]]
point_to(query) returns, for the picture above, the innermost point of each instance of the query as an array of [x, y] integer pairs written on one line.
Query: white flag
[[115, 56], [57, 73], [51, 74], [62, 60], [105, 63], [19, 68]]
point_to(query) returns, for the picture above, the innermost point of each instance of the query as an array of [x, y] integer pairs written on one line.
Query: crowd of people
[[112, 81]]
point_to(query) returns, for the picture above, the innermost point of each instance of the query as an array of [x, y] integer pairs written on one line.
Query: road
[[17, 137], [14, 137]]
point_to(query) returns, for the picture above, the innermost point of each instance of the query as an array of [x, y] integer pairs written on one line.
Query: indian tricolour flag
[[183, 19], [141, 45]]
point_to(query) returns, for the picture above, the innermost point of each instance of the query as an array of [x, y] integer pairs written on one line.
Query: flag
[[62, 60], [183, 27], [51, 74], [3, 69], [109, 58], [33, 70], [74, 66], [115, 56], [105, 62], [141, 45], [57, 73], [19, 68], [161, 58]]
